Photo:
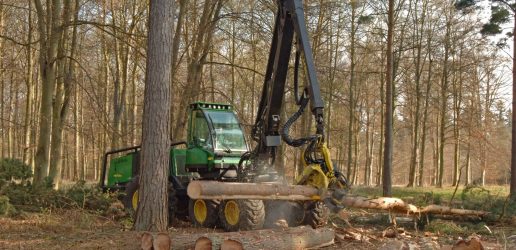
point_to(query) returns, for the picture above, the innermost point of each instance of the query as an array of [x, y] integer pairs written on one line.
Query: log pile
[[284, 238]]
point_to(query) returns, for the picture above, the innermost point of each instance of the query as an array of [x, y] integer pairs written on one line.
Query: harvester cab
[[212, 150], [215, 141]]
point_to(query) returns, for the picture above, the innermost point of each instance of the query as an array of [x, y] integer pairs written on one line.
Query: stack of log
[[285, 238]]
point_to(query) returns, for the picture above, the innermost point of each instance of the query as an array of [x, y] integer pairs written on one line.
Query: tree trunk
[[468, 166], [387, 155], [419, 65], [63, 91], [152, 212], [425, 119], [444, 100], [30, 93], [2, 83], [351, 115], [513, 141], [48, 64]]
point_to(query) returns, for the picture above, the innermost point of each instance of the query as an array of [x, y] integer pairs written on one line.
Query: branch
[[236, 66], [16, 42]]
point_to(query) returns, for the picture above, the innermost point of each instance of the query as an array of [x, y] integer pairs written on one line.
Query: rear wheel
[[203, 213], [130, 200], [131, 194], [316, 214], [242, 215]]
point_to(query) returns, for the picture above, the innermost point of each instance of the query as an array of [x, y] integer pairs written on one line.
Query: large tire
[[172, 204], [243, 215], [316, 214], [131, 194], [293, 213], [203, 213], [130, 199]]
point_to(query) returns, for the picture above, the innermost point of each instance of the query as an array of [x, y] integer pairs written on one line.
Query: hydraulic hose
[[285, 131]]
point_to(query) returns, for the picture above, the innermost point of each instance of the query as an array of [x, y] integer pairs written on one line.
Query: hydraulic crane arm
[[290, 29], [289, 25]]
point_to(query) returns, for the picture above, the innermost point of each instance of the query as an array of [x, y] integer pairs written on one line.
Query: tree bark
[[63, 92], [444, 100], [513, 141], [152, 212], [48, 63], [387, 155], [30, 92]]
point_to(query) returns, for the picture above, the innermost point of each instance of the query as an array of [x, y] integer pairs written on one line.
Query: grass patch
[[444, 227], [422, 196]]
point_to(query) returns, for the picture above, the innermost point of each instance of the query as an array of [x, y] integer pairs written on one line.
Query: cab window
[[200, 130]]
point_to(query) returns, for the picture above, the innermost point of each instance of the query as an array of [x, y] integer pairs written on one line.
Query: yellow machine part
[[134, 199], [232, 212], [200, 211], [313, 175]]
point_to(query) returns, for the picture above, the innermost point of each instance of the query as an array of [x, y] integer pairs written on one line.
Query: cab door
[[199, 155]]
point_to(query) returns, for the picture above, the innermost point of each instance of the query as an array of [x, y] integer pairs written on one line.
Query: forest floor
[[81, 229]]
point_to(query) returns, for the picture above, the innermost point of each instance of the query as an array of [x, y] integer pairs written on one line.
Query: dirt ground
[[77, 229]]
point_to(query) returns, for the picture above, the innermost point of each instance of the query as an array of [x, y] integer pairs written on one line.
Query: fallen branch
[[443, 210], [383, 203]]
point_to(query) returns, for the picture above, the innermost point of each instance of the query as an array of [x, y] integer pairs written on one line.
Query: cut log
[[288, 238], [213, 190], [384, 203], [436, 209]]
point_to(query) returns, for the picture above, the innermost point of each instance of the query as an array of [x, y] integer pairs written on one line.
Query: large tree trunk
[[2, 83], [444, 100], [152, 212], [387, 154], [513, 141], [63, 92], [351, 115], [48, 64], [419, 65]]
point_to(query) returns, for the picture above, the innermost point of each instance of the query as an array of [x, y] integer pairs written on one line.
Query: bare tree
[[387, 162], [152, 212]]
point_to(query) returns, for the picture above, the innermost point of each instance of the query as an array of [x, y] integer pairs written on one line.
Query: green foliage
[[464, 4], [491, 29], [14, 169], [36, 198], [91, 198], [6, 208], [499, 15], [477, 197], [444, 227], [365, 19]]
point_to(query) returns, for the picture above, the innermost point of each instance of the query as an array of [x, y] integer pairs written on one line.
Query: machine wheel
[[203, 213], [242, 215], [293, 213], [173, 202], [316, 214], [130, 200]]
